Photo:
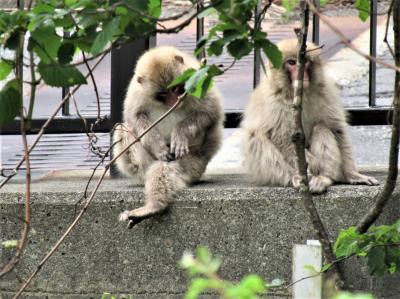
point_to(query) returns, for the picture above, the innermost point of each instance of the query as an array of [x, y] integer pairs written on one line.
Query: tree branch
[[346, 41], [299, 140], [384, 196], [90, 199], [43, 128]]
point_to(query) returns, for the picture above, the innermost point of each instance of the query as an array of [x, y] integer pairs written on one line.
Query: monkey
[[268, 125], [174, 153]]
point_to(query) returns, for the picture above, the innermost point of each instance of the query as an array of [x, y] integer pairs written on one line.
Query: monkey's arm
[[197, 123], [152, 141]]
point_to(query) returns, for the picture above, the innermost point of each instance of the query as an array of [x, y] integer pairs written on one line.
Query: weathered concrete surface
[[253, 229]]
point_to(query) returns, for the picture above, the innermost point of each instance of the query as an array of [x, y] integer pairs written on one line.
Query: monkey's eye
[[161, 96], [291, 61]]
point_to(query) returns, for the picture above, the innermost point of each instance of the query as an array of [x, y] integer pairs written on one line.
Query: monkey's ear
[[139, 79], [179, 58]]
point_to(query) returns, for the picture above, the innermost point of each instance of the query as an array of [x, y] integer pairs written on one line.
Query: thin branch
[[25, 231], [94, 84], [299, 140], [384, 196], [90, 199], [389, 12], [43, 128], [34, 84], [346, 41]]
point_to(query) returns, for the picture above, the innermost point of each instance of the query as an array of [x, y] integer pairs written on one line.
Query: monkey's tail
[[163, 181]]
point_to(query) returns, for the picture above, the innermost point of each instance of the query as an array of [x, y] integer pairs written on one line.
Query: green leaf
[[155, 8], [60, 75], [9, 244], [216, 47], [194, 86], [10, 102], [45, 42], [182, 78], [254, 283], [5, 69], [326, 267], [363, 9], [66, 52], [121, 10], [207, 12], [347, 242], [273, 53], [109, 31], [376, 260], [311, 268], [239, 48], [198, 286]]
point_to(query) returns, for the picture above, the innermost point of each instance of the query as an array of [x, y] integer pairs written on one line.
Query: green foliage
[[380, 246], [10, 102], [363, 9], [203, 269], [235, 31], [61, 75], [9, 244], [197, 82]]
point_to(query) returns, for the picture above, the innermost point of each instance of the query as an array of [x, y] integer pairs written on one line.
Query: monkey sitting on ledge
[[175, 152], [268, 125]]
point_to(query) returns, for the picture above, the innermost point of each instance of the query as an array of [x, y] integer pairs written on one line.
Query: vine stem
[[299, 140], [90, 199]]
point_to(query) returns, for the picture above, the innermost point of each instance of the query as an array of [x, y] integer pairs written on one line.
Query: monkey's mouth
[[170, 97]]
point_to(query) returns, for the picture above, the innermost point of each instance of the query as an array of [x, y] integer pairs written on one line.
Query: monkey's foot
[[131, 218], [358, 179], [319, 184]]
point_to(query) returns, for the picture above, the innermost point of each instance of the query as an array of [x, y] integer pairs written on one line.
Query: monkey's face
[[171, 96], [290, 66]]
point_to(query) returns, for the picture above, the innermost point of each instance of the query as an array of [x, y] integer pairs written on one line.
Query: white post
[[305, 259]]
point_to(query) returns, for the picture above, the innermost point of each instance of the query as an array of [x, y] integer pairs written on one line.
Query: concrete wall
[[253, 229]]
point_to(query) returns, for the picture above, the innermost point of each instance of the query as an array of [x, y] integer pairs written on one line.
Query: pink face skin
[[291, 66]]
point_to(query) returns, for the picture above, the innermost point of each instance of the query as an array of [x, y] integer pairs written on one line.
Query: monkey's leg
[[324, 147], [265, 163], [163, 181], [350, 173]]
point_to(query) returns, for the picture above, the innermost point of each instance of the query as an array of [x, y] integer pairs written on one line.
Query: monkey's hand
[[319, 184], [179, 144], [163, 154], [356, 178], [296, 181]]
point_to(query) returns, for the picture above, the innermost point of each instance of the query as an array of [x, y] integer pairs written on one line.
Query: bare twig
[[384, 196], [43, 128], [346, 41], [389, 12], [25, 231], [299, 139], [90, 199], [33, 84]]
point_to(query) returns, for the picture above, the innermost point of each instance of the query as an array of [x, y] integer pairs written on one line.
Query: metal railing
[[123, 61]]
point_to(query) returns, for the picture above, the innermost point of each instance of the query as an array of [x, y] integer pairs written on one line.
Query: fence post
[[372, 52], [123, 62], [305, 284]]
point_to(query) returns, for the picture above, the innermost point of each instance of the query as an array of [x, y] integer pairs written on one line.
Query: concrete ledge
[[253, 229]]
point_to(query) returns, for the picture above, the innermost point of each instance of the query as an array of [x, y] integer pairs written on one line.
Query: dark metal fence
[[123, 61]]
